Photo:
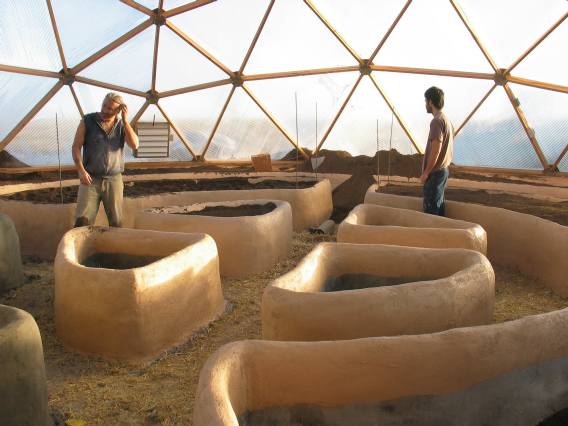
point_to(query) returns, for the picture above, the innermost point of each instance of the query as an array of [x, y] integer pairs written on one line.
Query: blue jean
[[433, 192], [109, 190]]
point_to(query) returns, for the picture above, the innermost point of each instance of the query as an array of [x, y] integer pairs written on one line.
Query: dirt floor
[[103, 393]]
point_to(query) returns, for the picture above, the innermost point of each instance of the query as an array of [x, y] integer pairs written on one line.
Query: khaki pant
[[106, 189]]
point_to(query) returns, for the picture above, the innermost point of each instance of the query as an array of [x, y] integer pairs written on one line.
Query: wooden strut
[[76, 98], [187, 7], [300, 73], [29, 71], [112, 45], [217, 122], [109, 86], [525, 124], [397, 115], [463, 18], [177, 130], [538, 84], [138, 7], [200, 49], [560, 157], [475, 109], [330, 127], [56, 33], [28, 117], [428, 71], [389, 31], [256, 37], [141, 111], [536, 43], [333, 31], [195, 88], [276, 122], [155, 57]]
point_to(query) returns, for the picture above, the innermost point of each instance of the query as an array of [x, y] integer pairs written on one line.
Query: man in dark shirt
[[438, 154], [101, 135]]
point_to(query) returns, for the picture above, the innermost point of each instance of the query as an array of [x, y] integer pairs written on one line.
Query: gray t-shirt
[[103, 153], [441, 129]]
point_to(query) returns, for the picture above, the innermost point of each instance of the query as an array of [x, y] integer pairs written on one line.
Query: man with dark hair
[[438, 153], [101, 136]]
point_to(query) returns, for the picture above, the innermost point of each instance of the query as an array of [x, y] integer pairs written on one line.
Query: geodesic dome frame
[[363, 69]]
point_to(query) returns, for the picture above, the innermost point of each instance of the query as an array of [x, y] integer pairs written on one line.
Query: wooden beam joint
[[67, 77], [159, 18], [152, 97], [501, 77], [365, 67], [237, 79]]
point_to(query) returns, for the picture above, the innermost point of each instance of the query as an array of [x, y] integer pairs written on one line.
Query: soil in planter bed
[[360, 281], [233, 211], [118, 261], [145, 188]]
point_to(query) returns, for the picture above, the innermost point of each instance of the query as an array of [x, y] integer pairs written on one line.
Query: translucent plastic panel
[[406, 92], [195, 113], [294, 39], [129, 65], [150, 4], [547, 114], [178, 151], [180, 65], [26, 35], [37, 144], [244, 131], [239, 21], [431, 35], [18, 95], [327, 90], [547, 62], [356, 129], [85, 27], [494, 137], [508, 27], [362, 23], [91, 99]]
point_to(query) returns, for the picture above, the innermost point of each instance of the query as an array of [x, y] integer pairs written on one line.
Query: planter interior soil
[[361, 281], [118, 261], [233, 211]]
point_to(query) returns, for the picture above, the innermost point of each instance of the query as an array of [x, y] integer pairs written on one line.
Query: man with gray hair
[[101, 135]]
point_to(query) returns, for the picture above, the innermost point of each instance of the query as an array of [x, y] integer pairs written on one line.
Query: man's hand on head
[[124, 113]]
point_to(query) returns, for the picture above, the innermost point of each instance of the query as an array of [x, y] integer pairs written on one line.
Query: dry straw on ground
[[102, 393]]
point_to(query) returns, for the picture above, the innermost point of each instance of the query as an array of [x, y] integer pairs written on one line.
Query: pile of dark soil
[[8, 160], [145, 188], [351, 193], [342, 162], [118, 261]]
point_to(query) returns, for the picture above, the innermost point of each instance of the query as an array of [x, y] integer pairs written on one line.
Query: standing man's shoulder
[[92, 116]]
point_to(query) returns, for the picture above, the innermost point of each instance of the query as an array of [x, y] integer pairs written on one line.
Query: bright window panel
[[91, 99], [195, 113], [26, 35], [508, 27], [294, 39], [37, 143], [85, 27], [356, 129], [178, 151], [180, 65], [150, 4], [547, 114], [431, 35], [406, 92], [494, 137], [361, 23], [18, 95], [327, 90], [244, 131], [129, 65], [238, 20], [546, 62]]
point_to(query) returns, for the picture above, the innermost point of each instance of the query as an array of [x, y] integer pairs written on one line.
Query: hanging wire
[[297, 138], [58, 158]]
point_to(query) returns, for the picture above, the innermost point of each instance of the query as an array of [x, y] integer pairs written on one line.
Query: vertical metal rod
[[390, 149], [316, 143], [378, 160], [297, 138], [58, 157]]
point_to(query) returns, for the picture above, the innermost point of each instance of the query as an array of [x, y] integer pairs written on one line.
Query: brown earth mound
[[8, 160]]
